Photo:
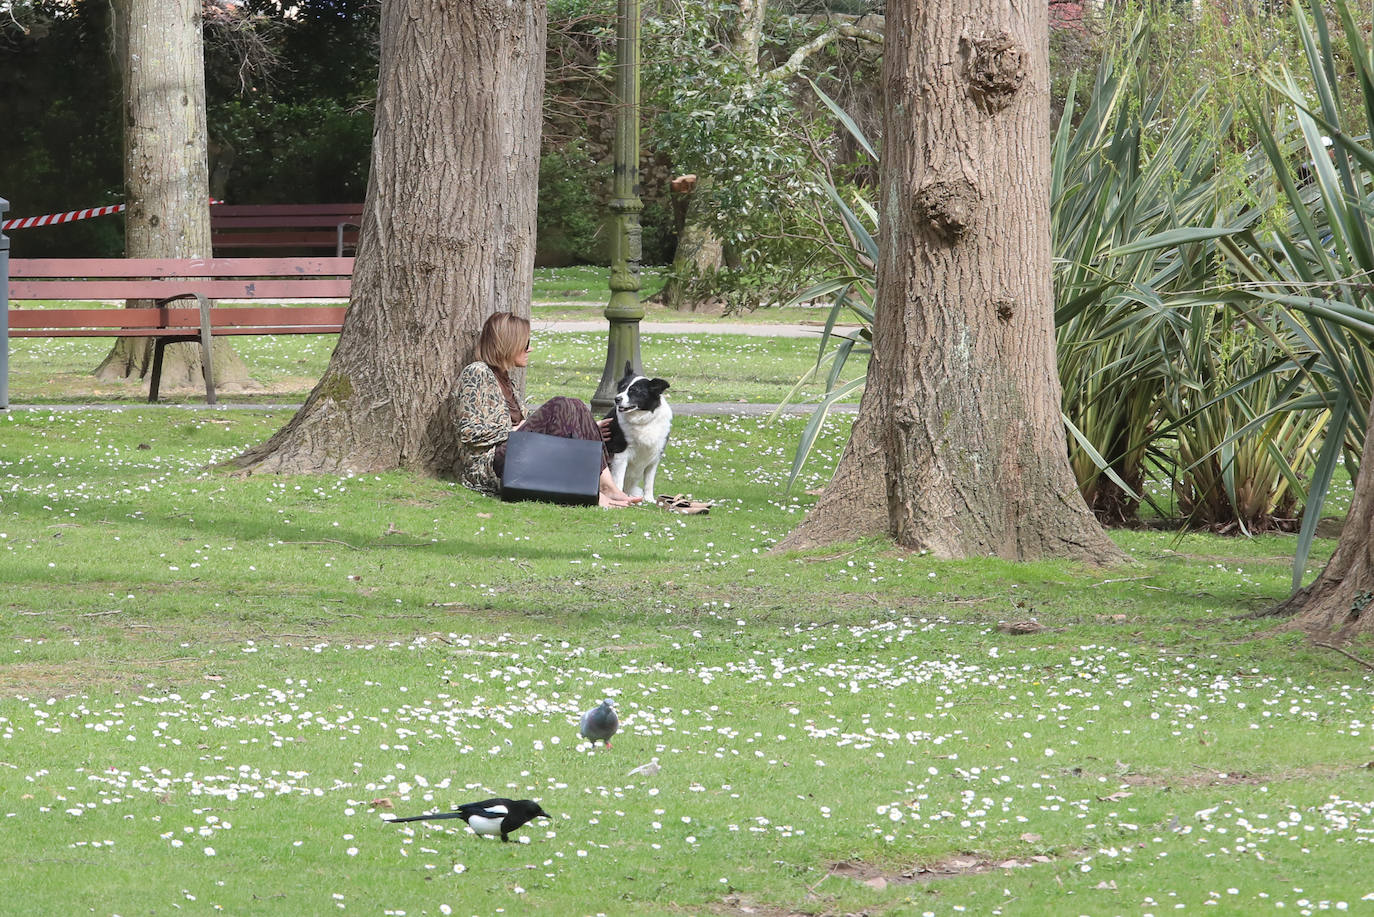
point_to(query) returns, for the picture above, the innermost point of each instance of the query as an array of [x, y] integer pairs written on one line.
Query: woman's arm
[[483, 419]]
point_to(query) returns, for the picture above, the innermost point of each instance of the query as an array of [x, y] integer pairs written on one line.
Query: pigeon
[[600, 723], [490, 816]]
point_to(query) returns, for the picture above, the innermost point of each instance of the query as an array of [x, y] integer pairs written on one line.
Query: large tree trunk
[[698, 255], [166, 174], [447, 236], [1340, 602], [963, 400]]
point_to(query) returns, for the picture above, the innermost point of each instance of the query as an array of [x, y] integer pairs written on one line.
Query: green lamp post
[[624, 311]]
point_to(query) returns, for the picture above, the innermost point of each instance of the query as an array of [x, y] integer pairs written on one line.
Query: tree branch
[[794, 63], [1364, 662]]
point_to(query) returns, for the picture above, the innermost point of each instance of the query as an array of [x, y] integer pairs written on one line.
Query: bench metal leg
[[159, 345], [159, 350], [207, 368], [207, 353]]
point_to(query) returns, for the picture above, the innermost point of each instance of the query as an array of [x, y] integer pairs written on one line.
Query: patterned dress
[[484, 425]]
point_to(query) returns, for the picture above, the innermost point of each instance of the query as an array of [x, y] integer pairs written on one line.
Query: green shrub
[[292, 152], [571, 212]]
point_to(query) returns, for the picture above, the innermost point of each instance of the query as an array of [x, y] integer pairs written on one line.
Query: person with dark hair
[[488, 411]]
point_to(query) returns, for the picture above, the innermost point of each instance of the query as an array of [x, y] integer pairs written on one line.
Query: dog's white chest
[[646, 438], [647, 429]]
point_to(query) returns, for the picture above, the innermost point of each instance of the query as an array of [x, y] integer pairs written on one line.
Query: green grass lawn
[[701, 368], [773, 315], [588, 283], [215, 687], [583, 291]]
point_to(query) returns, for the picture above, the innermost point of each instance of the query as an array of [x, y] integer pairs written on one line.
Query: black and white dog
[[640, 425]]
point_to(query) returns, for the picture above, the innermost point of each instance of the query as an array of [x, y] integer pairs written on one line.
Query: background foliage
[[287, 107], [59, 103], [289, 111]]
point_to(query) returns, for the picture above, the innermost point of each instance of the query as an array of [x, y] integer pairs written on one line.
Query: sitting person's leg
[[613, 496], [562, 416]]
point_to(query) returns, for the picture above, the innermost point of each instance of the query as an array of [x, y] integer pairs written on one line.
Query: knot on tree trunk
[[995, 66], [947, 206]]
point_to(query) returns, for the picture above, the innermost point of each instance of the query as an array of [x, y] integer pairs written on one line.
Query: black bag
[[551, 468]]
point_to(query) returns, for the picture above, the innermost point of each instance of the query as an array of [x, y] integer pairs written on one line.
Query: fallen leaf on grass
[[383, 803]]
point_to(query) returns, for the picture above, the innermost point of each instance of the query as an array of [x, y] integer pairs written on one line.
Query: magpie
[[490, 816], [600, 723]]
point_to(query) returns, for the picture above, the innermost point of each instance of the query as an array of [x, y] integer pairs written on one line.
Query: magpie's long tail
[[435, 817]]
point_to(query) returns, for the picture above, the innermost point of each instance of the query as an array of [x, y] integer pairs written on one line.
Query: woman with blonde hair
[[488, 411]]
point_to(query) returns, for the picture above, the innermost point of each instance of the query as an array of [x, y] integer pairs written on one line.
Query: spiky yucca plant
[[1241, 464], [1121, 171], [1305, 280]]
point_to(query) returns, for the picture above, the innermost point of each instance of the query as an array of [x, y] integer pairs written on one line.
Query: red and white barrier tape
[[52, 219]]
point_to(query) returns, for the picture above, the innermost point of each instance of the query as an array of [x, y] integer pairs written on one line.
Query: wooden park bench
[[169, 280], [301, 227]]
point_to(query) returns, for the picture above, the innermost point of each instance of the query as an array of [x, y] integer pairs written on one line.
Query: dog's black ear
[[658, 386], [629, 368]]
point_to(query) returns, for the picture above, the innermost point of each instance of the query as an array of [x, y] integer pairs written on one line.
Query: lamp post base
[[622, 346]]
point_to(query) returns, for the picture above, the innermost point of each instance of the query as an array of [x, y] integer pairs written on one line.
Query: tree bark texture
[[447, 236], [1339, 604], [166, 174], [963, 399], [698, 255], [746, 35]]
